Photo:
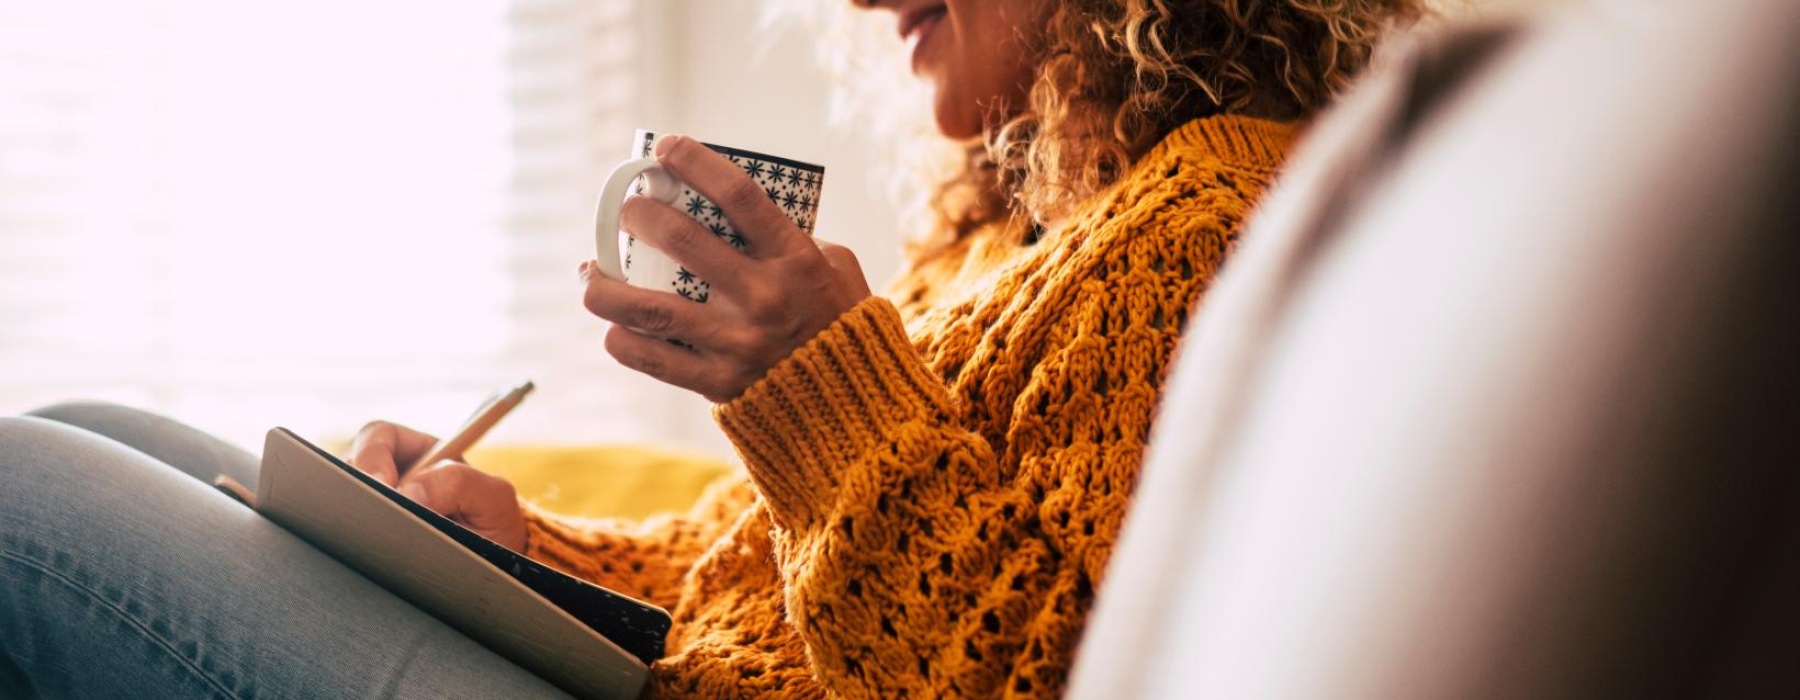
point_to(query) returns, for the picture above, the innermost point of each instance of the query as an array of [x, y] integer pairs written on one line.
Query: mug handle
[[659, 184]]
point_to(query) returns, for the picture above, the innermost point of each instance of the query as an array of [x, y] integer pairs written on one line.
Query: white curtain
[[313, 214]]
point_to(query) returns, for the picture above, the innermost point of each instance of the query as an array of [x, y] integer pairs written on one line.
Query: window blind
[[312, 214]]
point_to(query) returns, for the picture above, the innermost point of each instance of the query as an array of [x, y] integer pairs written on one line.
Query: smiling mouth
[[915, 23], [916, 26]]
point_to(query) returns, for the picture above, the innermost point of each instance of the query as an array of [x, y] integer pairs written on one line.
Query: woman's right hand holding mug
[[482, 502]]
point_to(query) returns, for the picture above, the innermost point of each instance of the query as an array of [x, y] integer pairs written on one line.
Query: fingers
[[684, 239], [710, 376], [656, 313], [766, 228], [729, 344], [381, 449], [482, 502]]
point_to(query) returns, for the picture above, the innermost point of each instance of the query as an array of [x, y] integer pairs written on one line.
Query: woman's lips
[[916, 28]]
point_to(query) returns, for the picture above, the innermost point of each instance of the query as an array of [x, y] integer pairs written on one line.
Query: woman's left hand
[[768, 299]]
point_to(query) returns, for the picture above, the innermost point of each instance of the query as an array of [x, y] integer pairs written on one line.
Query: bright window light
[[306, 214]]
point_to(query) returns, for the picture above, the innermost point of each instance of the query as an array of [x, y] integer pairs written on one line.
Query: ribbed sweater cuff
[[842, 394]]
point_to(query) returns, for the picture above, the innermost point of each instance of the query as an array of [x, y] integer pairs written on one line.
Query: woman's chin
[[956, 121]]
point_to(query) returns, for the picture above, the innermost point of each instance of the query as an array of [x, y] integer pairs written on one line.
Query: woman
[[934, 478]]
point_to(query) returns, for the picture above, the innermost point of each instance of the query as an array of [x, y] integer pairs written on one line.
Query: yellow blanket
[[625, 481]]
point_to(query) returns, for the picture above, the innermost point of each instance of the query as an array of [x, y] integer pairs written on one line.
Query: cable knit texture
[[934, 483]]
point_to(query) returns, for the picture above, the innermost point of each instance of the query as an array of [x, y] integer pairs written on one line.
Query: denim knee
[[165, 439], [33, 449], [77, 413], [117, 421]]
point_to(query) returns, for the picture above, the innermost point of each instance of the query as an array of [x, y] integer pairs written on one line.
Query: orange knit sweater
[[934, 483]]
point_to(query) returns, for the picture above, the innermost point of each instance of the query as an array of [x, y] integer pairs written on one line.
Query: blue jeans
[[123, 575]]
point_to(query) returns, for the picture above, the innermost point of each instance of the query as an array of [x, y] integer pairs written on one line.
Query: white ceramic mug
[[792, 185]]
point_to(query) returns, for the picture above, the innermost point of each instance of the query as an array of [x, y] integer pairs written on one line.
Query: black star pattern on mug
[[794, 188], [691, 287]]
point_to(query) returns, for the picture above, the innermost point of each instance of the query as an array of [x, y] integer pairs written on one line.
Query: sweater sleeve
[[646, 559], [925, 555]]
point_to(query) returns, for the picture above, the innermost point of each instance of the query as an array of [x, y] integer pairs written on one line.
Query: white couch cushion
[[1502, 397]]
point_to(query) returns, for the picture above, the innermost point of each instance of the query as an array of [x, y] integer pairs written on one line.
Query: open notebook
[[588, 640]]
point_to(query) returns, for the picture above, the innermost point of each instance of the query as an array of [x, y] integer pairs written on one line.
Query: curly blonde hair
[[1113, 78]]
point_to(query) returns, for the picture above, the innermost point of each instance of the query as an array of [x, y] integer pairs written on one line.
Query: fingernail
[[666, 144], [582, 270], [414, 491]]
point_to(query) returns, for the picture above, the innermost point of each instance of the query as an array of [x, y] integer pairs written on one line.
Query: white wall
[[729, 82], [713, 74]]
